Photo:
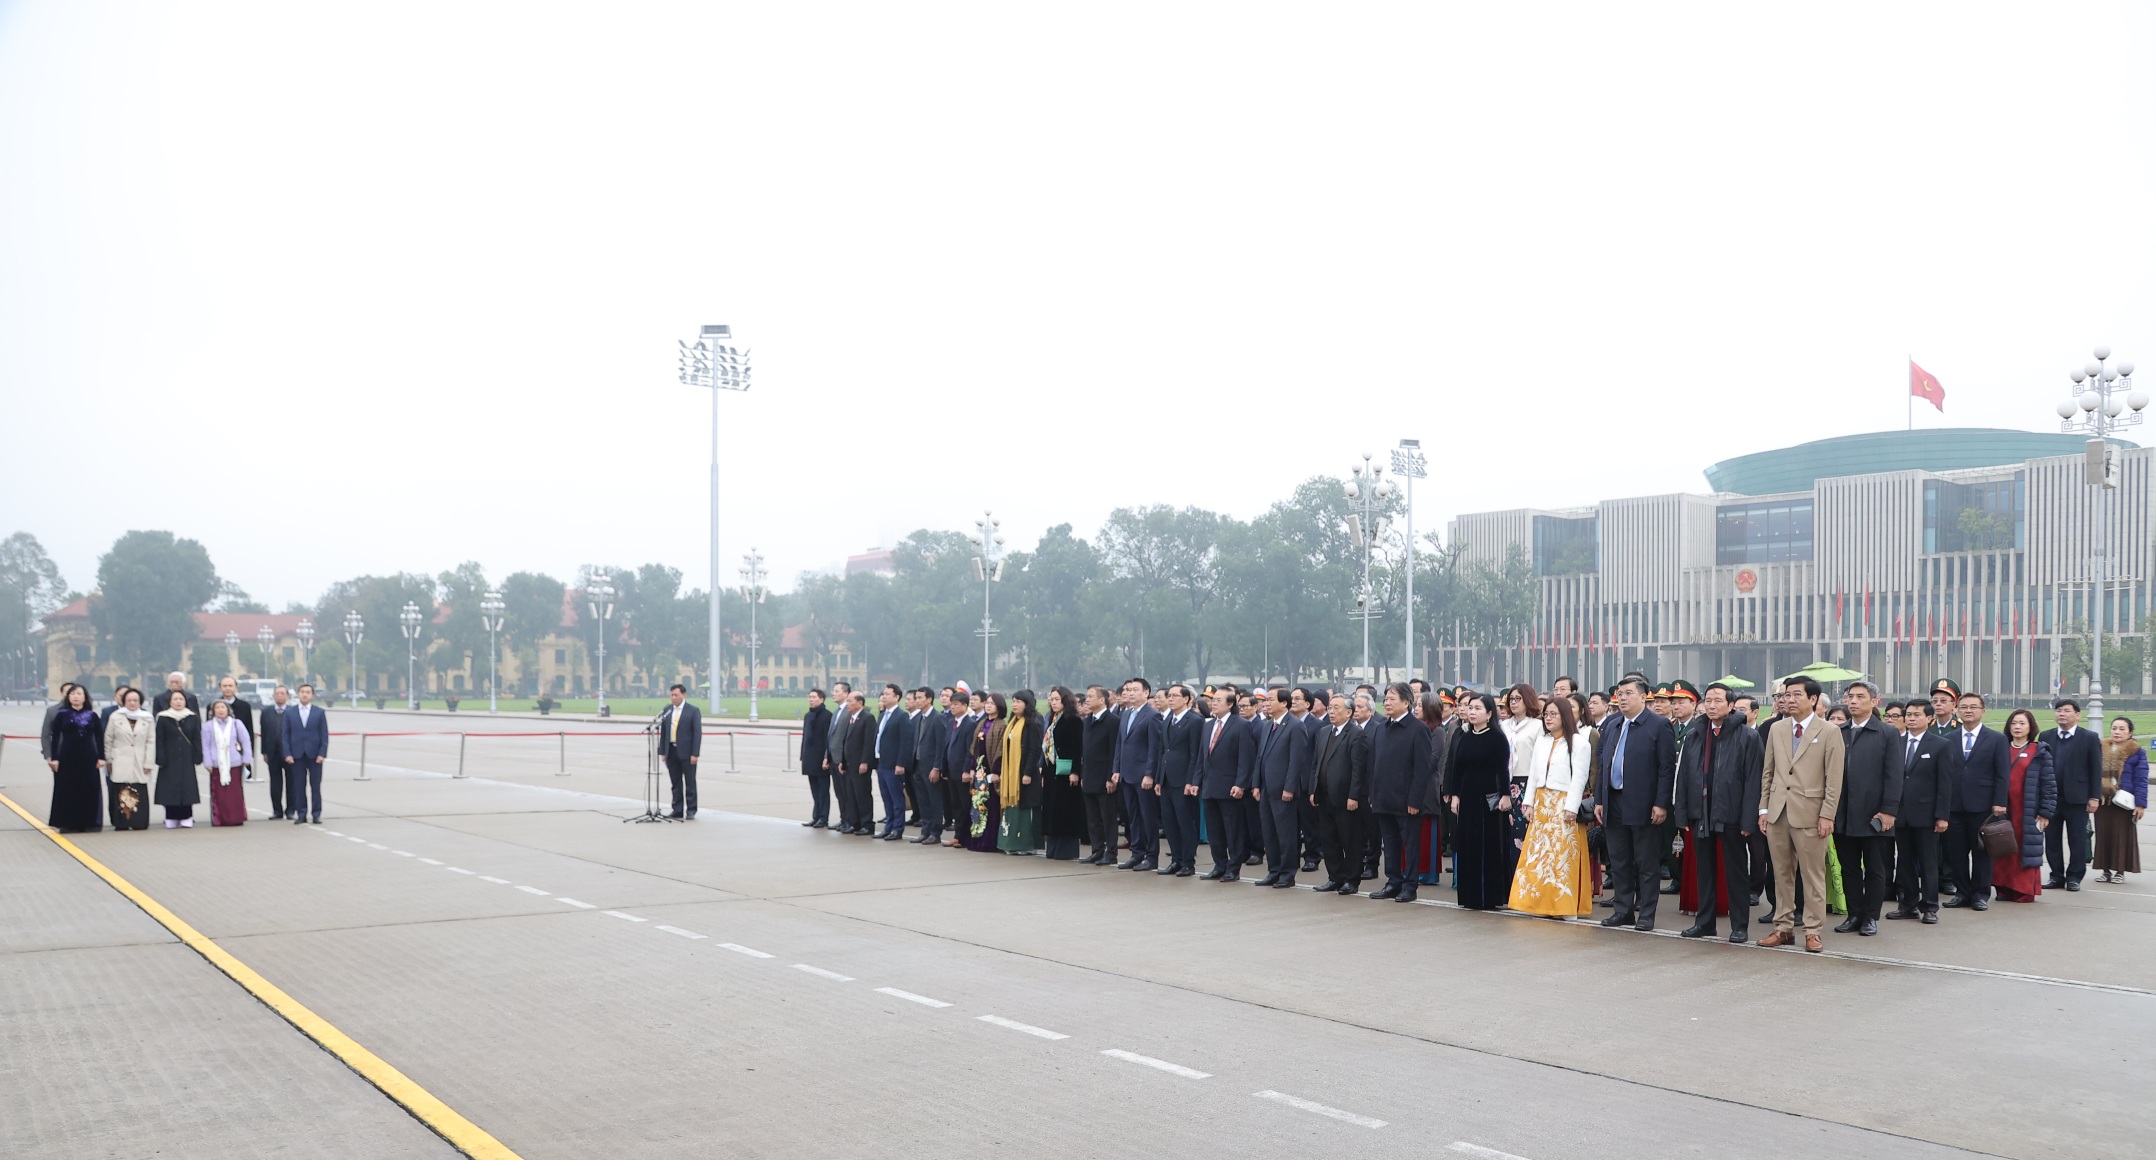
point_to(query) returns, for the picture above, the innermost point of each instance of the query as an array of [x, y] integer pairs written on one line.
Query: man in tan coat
[[1800, 791]]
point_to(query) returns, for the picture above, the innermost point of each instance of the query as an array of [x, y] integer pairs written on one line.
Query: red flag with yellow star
[[1925, 385]]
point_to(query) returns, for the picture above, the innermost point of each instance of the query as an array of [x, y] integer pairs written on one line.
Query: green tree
[[30, 587], [822, 598], [150, 585], [532, 608], [461, 631], [1983, 530], [1058, 590]]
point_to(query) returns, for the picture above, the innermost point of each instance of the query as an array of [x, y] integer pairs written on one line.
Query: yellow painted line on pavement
[[466, 1136]]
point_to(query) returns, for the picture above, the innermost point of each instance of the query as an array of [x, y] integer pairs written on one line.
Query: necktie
[[673, 727], [1968, 742], [1217, 727], [1796, 740], [1128, 720], [1908, 756], [1617, 760]]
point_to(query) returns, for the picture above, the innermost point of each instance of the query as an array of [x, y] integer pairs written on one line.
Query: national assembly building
[[1907, 555]]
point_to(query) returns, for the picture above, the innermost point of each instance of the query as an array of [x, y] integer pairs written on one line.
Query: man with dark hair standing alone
[[1635, 776], [681, 742], [1799, 791], [306, 743], [2077, 757]]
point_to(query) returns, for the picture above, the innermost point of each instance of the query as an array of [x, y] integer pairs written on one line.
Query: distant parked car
[[258, 691]]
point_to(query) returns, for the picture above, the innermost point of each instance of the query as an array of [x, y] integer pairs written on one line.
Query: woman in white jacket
[[1552, 879], [1522, 730]]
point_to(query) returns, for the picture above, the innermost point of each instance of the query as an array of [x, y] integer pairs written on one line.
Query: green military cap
[[1445, 697], [1683, 688], [1946, 685], [1661, 692]]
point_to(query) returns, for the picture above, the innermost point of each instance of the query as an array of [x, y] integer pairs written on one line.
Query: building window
[[1975, 517], [561, 656], [1763, 533], [1566, 547]]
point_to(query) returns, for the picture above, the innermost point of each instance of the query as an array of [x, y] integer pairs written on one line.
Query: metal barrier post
[[789, 750], [460, 754], [363, 757], [731, 764], [564, 770]]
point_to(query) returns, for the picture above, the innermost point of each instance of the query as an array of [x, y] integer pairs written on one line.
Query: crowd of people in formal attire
[[1545, 803], [161, 749]]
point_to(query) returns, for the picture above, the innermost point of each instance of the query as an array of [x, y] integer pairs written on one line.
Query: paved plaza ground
[[740, 986]]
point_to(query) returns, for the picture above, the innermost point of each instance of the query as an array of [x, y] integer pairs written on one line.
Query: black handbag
[[1489, 801], [1586, 815]]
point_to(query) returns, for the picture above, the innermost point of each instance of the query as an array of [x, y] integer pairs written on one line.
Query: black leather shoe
[[673, 813], [1185, 872], [1390, 890], [1643, 925], [692, 815], [819, 825], [299, 821], [1755, 899], [1868, 928], [1958, 901], [1698, 930], [1283, 884], [1766, 918], [1740, 936], [2073, 884], [1148, 864], [1848, 925], [1369, 871], [1166, 871], [2055, 884], [1132, 864], [1900, 914], [1310, 865], [1407, 895], [1981, 904], [1231, 877], [1213, 875], [809, 825], [1253, 859], [1931, 917], [1331, 887], [1670, 889], [1618, 920], [1269, 879], [1350, 889]]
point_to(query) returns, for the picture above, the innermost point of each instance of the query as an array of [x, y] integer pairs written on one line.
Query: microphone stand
[[651, 776]]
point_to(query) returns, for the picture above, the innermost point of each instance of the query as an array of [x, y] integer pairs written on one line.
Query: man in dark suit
[[1927, 794], [1635, 779], [1283, 768], [1175, 784], [1137, 756], [1718, 798], [681, 743], [2077, 757], [1306, 708], [1402, 789], [273, 717], [931, 731], [1096, 776], [893, 744], [835, 753], [856, 742], [816, 759], [1978, 759], [1340, 795], [956, 766], [1227, 772], [306, 743], [1869, 808]]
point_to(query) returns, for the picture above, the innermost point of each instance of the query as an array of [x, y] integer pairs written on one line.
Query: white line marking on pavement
[[574, 902], [350, 838], [334, 833], [910, 997], [1466, 1149], [820, 972], [738, 949], [1162, 1064], [619, 914], [534, 890], [1320, 1109], [459, 870], [376, 846], [494, 880], [1015, 1025], [430, 861], [679, 931], [404, 853]]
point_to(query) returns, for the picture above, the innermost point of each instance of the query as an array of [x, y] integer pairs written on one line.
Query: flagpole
[[1909, 397]]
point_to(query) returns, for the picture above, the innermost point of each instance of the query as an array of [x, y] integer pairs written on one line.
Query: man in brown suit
[[1800, 791]]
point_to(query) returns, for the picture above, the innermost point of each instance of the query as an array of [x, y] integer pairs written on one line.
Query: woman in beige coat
[[130, 748]]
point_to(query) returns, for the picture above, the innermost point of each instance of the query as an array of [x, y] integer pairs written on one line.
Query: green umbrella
[[1825, 671], [1733, 682]]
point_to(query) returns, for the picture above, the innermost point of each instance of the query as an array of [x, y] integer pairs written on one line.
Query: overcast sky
[[388, 287]]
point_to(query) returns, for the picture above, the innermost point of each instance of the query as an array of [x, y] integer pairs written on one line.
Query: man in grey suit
[[842, 718]]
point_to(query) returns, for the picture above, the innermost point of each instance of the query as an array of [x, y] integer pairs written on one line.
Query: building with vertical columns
[[1908, 555]]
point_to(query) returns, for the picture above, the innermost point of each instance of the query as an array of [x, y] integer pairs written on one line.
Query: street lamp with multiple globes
[[305, 633], [713, 364], [752, 590], [409, 621], [490, 615], [267, 638], [1408, 464], [355, 630], [987, 568], [1367, 491], [599, 592], [2105, 400]]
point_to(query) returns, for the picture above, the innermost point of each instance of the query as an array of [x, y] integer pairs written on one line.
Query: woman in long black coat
[[1480, 796], [75, 745], [179, 750], [1062, 803]]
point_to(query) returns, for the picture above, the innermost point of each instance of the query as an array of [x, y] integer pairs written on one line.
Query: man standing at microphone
[[681, 741]]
